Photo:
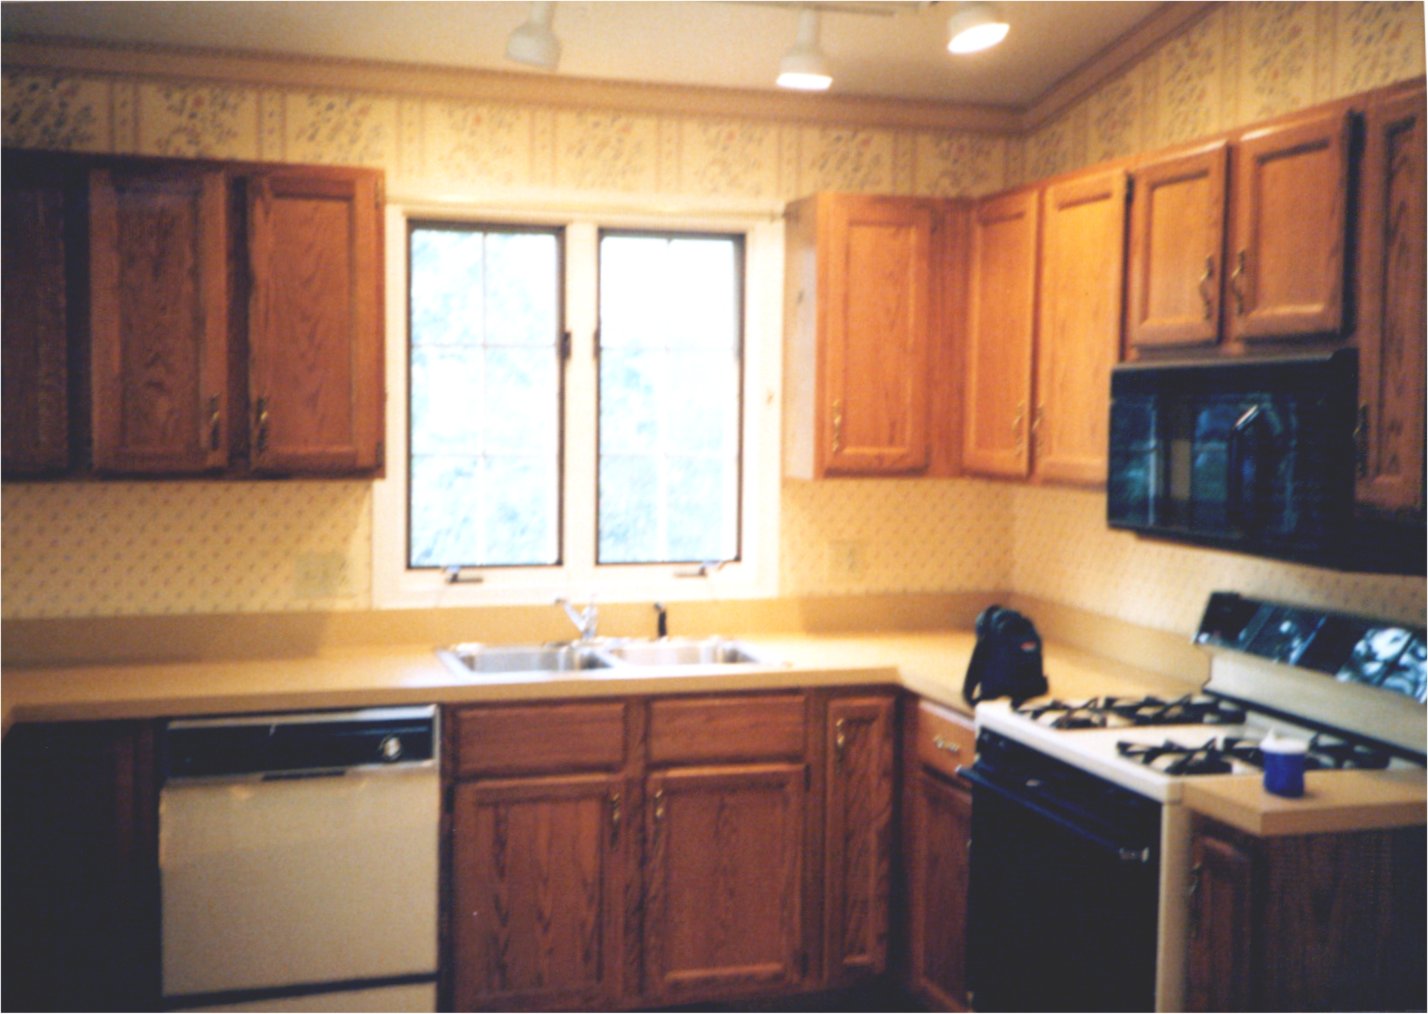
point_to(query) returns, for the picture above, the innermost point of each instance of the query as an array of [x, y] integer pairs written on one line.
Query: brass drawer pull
[[946, 745]]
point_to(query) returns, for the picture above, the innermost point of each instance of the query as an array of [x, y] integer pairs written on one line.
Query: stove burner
[[1173, 759], [1103, 712]]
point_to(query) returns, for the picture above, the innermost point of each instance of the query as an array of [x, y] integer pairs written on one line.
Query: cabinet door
[[858, 842], [1289, 224], [35, 430], [1078, 325], [1221, 927], [877, 288], [1001, 318], [81, 867], [723, 910], [537, 876], [315, 322], [1391, 308], [1177, 241], [158, 249], [939, 856]]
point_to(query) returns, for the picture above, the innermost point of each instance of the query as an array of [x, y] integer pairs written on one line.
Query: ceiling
[[888, 50]]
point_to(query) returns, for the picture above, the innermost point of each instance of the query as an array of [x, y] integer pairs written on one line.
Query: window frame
[[562, 353], [753, 575], [741, 347]]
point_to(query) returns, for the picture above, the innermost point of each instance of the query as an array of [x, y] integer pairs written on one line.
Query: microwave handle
[[1235, 506]]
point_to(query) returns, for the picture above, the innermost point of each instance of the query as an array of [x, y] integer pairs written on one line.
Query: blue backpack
[[1006, 661]]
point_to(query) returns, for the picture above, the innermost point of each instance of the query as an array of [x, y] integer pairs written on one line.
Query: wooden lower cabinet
[[658, 851], [81, 868], [537, 892], [1306, 922], [937, 833], [858, 845], [724, 861]]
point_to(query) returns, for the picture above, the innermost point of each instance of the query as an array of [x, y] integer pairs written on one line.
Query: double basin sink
[[602, 656]]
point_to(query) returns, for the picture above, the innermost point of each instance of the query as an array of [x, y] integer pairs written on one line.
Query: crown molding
[[1171, 19], [502, 86]]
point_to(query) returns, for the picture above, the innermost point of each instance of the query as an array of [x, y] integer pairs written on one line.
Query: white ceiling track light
[[975, 27], [534, 43], [804, 67]]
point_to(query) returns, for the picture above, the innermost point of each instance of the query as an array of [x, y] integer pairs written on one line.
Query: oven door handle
[[1124, 853]]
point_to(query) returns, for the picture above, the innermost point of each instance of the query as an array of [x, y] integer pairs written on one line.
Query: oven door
[[1063, 904]]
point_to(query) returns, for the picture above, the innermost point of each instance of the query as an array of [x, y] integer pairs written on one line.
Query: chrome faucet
[[585, 620]]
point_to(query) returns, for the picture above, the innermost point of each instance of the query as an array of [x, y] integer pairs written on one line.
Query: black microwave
[[1254, 456]]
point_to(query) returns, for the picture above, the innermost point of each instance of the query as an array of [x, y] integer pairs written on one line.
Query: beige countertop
[[931, 665]]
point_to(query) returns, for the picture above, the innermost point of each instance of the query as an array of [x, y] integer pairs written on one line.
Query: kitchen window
[[579, 417]]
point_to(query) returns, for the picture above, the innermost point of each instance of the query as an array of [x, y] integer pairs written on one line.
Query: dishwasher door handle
[[1123, 852]]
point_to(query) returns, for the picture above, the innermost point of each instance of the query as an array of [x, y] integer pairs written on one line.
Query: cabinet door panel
[[857, 869], [1218, 966], [315, 328], [939, 857], [1001, 318], [878, 290], [536, 875], [1286, 274], [722, 890], [158, 319], [1078, 325], [1176, 250], [37, 316], [1391, 314]]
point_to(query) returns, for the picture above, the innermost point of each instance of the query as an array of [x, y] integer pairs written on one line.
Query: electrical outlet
[[847, 558], [319, 575]]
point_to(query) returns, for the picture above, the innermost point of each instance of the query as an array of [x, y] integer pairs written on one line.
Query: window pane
[[669, 398], [485, 397]]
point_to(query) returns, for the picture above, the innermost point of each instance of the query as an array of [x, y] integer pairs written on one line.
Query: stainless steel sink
[[604, 657], [492, 659], [677, 651]]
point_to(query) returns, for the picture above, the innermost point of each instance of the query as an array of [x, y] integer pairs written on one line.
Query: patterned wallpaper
[[1240, 63], [90, 549]]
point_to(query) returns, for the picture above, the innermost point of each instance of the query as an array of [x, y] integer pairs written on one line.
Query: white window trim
[[755, 575]]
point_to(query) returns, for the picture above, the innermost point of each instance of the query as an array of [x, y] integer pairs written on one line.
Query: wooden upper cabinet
[[1391, 307], [1289, 225], [1078, 325], [858, 844], [1000, 329], [724, 870], [40, 205], [861, 321], [158, 319], [1177, 245], [315, 321]]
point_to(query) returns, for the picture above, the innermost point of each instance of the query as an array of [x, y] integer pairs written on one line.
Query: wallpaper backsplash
[[104, 549]]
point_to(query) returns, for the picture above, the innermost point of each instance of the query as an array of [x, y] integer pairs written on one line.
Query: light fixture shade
[[804, 67], [974, 27], [534, 42]]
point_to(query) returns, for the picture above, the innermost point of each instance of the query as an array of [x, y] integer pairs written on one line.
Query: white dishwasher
[[298, 858]]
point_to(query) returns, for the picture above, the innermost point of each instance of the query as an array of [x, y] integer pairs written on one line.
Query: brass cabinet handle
[[1017, 421], [840, 738], [837, 425], [1206, 294], [1037, 418], [615, 816], [659, 805], [1235, 279], [946, 745], [214, 418], [1361, 442], [262, 420]]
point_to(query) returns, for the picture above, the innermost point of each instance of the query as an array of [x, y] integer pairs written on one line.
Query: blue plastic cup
[[1284, 766]]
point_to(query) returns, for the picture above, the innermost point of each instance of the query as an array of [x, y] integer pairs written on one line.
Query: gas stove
[[1067, 786]]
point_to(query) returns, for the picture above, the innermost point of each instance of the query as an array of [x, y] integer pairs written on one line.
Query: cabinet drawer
[[726, 728], [945, 738], [540, 739]]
